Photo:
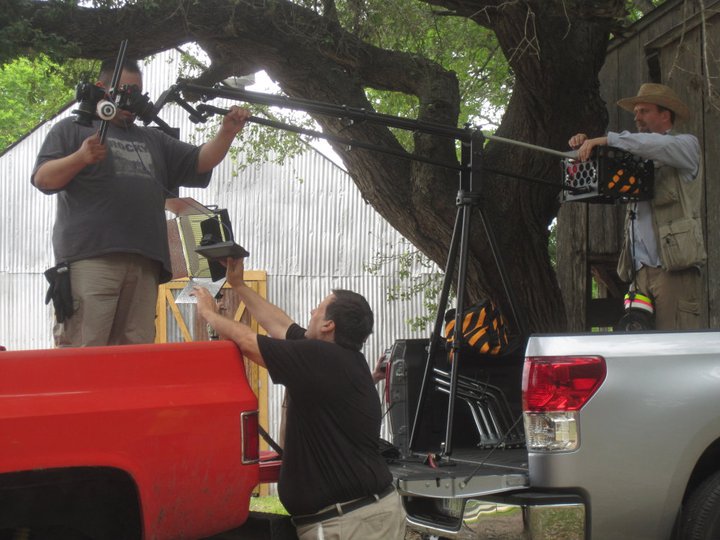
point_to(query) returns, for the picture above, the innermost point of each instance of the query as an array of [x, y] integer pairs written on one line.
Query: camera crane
[[574, 185], [594, 181], [468, 198]]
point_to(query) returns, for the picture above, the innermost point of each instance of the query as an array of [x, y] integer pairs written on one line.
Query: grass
[[268, 505]]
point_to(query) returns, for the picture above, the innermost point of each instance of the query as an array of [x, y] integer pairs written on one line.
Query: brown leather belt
[[343, 508]]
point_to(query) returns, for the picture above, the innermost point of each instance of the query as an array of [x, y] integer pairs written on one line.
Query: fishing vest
[[676, 222]]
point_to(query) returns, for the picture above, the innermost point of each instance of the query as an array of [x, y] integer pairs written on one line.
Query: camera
[[639, 313], [129, 98], [88, 96], [95, 103]]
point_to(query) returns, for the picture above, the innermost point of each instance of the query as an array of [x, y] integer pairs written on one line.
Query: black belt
[[344, 508]]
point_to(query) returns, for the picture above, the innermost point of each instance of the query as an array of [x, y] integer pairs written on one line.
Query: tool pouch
[[59, 291]]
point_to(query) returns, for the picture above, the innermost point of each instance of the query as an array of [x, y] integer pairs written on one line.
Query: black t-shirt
[[333, 423]]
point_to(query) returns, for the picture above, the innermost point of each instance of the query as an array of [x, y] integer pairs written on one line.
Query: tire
[[701, 513]]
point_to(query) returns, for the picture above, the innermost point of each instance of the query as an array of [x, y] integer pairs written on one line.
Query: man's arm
[[57, 173], [213, 151], [678, 151], [242, 335], [273, 319]]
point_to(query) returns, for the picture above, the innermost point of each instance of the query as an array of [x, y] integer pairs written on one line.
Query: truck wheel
[[701, 514]]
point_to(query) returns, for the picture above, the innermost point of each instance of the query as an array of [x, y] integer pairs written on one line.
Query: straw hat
[[658, 94]]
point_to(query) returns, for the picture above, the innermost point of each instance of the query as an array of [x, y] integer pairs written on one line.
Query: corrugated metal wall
[[27, 218], [304, 222]]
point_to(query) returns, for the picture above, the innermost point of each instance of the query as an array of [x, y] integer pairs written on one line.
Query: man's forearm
[[273, 319], [239, 333], [214, 151], [57, 173]]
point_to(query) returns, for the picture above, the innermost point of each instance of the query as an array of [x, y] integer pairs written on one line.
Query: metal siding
[[304, 222]]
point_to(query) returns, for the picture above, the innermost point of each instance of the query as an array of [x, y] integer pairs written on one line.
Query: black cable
[[492, 450]]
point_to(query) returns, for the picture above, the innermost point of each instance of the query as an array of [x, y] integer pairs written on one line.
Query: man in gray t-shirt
[[110, 226]]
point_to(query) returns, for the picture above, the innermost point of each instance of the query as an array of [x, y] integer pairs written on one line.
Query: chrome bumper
[[532, 518]]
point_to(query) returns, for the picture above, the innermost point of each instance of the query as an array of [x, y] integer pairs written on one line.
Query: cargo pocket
[[688, 315], [681, 244]]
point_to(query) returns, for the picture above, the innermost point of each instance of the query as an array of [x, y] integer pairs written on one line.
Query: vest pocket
[[681, 244]]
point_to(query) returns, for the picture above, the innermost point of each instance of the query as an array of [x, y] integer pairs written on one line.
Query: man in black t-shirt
[[333, 480]]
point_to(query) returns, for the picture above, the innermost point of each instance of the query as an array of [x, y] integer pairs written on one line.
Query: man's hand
[[205, 302], [585, 146], [380, 370], [235, 272], [212, 152], [576, 140], [57, 173], [234, 121], [92, 150]]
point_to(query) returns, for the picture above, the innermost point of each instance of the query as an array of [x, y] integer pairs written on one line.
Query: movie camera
[[94, 103]]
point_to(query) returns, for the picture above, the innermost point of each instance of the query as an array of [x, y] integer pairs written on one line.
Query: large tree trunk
[[556, 56], [555, 49]]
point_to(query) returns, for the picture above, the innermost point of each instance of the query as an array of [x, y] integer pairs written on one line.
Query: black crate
[[611, 175]]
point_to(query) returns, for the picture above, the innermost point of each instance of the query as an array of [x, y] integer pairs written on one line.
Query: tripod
[[468, 199]]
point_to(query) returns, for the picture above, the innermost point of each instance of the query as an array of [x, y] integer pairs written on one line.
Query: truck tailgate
[[468, 472]]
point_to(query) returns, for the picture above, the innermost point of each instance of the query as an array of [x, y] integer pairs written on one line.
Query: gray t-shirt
[[118, 205]]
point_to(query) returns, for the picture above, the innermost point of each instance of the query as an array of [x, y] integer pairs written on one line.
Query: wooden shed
[[677, 44]]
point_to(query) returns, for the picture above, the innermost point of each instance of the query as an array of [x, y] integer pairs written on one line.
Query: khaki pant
[[383, 520], [114, 298], [676, 296]]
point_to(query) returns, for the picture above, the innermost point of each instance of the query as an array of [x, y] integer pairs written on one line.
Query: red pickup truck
[[141, 441]]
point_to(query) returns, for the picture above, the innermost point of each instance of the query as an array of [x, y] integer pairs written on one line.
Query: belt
[[343, 508]]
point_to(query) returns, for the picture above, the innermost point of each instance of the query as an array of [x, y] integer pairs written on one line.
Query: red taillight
[[249, 437], [560, 383]]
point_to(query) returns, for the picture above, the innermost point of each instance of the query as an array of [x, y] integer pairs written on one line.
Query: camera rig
[[94, 102]]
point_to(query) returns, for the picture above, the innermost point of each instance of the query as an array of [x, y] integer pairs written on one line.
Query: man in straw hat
[[663, 247]]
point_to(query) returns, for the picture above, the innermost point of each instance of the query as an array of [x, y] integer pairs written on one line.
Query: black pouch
[[59, 291]]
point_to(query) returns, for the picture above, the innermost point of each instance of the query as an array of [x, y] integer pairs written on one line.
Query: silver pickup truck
[[593, 436]]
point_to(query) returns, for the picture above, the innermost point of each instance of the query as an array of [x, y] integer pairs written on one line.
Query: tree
[[32, 91], [321, 50]]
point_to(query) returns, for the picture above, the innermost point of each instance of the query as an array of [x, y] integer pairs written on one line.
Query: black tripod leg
[[435, 337]]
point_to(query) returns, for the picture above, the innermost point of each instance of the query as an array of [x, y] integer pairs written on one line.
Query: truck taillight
[[249, 437], [554, 390]]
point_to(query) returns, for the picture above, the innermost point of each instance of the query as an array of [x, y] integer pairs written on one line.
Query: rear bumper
[[521, 516]]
